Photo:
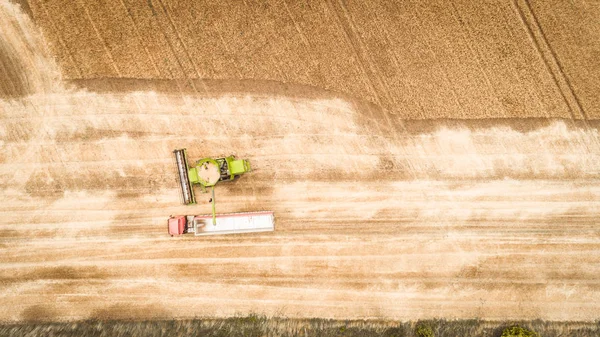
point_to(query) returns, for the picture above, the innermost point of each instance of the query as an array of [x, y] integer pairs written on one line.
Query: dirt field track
[[377, 215]]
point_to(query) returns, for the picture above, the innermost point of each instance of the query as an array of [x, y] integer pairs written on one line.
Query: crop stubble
[[444, 220]]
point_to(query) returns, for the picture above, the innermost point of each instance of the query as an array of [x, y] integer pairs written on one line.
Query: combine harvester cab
[[230, 223], [207, 172]]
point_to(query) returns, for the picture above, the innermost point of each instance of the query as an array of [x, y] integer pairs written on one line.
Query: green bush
[[424, 331], [517, 331]]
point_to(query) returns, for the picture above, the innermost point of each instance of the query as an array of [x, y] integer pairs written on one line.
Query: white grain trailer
[[230, 223]]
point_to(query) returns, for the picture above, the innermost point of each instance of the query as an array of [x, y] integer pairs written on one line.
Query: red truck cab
[[177, 224]]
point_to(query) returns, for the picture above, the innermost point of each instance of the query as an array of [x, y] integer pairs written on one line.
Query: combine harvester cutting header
[[208, 172]]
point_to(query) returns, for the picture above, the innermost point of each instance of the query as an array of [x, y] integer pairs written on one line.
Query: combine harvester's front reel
[[187, 192], [207, 173]]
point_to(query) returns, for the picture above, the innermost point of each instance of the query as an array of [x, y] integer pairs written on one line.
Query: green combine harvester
[[207, 172]]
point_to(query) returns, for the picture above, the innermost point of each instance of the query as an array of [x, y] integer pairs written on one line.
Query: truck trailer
[[227, 223]]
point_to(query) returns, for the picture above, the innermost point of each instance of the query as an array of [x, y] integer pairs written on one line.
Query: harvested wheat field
[[424, 160]]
